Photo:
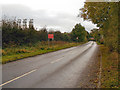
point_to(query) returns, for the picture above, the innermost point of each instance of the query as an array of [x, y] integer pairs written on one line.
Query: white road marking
[[17, 78], [74, 52], [56, 60]]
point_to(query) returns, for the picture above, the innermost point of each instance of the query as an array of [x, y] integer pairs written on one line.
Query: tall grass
[[109, 77], [19, 52]]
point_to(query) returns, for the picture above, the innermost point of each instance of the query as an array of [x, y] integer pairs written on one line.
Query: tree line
[[105, 15], [12, 35]]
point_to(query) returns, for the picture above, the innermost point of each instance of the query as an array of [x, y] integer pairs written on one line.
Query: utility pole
[[24, 23], [19, 23], [31, 24]]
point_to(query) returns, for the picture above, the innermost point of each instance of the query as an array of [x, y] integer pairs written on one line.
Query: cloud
[[89, 25], [63, 21]]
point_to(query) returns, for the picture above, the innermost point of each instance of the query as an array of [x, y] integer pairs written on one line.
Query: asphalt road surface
[[60, 69]]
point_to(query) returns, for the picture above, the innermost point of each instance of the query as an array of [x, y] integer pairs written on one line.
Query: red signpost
[[50, 36]]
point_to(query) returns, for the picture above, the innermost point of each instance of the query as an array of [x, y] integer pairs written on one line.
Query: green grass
[[15, 53], [109, 77]]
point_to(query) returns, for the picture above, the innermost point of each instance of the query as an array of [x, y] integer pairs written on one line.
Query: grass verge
[[20, 52], [109, 74]]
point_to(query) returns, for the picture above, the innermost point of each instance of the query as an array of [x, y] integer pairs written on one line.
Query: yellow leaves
[[96, 81]]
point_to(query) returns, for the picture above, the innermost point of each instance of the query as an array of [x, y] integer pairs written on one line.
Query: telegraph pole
[[24, 23]]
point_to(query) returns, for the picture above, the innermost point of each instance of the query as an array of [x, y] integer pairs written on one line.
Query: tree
[[66, 37], [78, 33], [105, 15], [42, 34], [58, 36]]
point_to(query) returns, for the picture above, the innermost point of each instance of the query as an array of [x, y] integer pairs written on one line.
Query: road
[[60, 69]]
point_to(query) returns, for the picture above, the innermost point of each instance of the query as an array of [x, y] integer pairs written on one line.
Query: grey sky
[[57, 14]]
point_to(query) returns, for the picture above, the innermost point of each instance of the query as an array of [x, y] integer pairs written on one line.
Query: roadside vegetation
[[19, 42], [109, 77], [19, 52], [105, 16]]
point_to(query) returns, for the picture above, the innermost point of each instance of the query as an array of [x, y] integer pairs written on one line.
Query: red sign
[[50, 36]]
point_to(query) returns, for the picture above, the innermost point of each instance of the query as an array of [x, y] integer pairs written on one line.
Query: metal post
[[48, 42], [52, 43]]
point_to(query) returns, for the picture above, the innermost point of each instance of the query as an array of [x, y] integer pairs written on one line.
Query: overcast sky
[[57, 14]]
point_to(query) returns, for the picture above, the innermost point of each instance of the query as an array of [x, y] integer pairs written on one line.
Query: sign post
[[77, 39], [50, 36]]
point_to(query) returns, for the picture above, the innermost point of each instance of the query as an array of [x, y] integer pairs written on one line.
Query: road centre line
[[61, 58], [27, 73], [17, 78], [71, 52], [56, 60]]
